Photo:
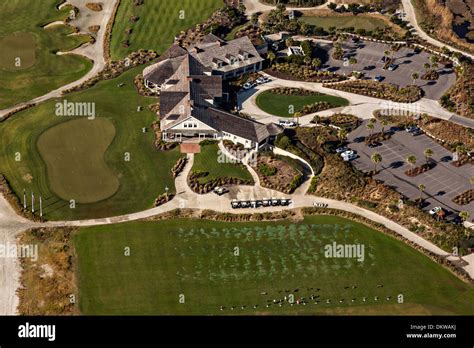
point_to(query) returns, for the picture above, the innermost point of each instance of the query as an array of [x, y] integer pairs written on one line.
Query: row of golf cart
[[257, 203]]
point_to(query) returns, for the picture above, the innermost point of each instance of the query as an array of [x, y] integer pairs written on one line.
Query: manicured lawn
[[74, 155], [141, 179], [279, 105], [218, 166], [339, 22], [196, 258], [41, 69], [159, 22]]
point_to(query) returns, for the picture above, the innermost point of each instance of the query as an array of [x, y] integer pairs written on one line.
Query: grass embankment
[[217, 165], [159, 21], [40, 69], [197, 259], [141, 179]]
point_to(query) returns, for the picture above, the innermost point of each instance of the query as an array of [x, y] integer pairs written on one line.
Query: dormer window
[[244, 55]]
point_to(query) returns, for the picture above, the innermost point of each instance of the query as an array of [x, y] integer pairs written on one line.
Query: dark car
[[374, 144]]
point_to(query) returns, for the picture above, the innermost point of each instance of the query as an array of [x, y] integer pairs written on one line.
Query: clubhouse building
[[190, 85]]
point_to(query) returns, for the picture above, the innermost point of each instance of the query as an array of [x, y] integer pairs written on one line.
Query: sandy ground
[[10, 225]]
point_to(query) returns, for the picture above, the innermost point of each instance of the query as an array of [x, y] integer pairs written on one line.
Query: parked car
[[435, 210], [287, 123], [410, 129], [378, 78], [392, 67], [416, 132], [275, 201], [262, 79], [248, 85], [342, 149], [348, 156], [220, 190], [374, 144], [348, 153]]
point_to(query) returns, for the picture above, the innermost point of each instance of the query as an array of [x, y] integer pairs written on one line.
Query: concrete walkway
[[411, 16], [95, 52], [256, 6]]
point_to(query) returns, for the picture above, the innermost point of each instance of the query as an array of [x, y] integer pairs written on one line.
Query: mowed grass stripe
[[159, 22], [196, 258]]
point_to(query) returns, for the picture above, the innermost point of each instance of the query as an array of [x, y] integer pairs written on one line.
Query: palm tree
[[384, 123], [411, 160], [321, 139], [422, 189], [342, 134], [464, 215], [415, 77], [352, 61], [376, 158], [297, 115], [316, 63], [427, 67], [428, 154], [472, 180], [370, 127], [460, 149], [271, 56]]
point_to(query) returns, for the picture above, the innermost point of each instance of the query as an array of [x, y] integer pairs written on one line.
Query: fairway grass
[[218, 165], [216, 264], [279, 105], [74, 155], [18, 51], [146, 175], [41, 70], [159, 22]]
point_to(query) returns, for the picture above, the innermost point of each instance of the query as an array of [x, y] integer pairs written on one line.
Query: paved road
[[255, 6], [94, 52], [410, 13]]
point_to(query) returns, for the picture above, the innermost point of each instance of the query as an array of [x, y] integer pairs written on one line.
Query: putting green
[[18, 51], [74, 155]]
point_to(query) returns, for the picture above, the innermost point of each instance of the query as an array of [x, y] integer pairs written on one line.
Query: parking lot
[[442, 183], [369, 61]]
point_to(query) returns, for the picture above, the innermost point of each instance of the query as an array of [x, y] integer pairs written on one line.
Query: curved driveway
[[411, 16]]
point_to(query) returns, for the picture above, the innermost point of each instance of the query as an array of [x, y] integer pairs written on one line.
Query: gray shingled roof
[[211, 50]]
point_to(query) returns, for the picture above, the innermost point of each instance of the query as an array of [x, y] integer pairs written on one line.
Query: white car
[[435, 210], [248, 85], [342, 149], [348, 153], [348, 156], [261, 80], [287, 123]]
